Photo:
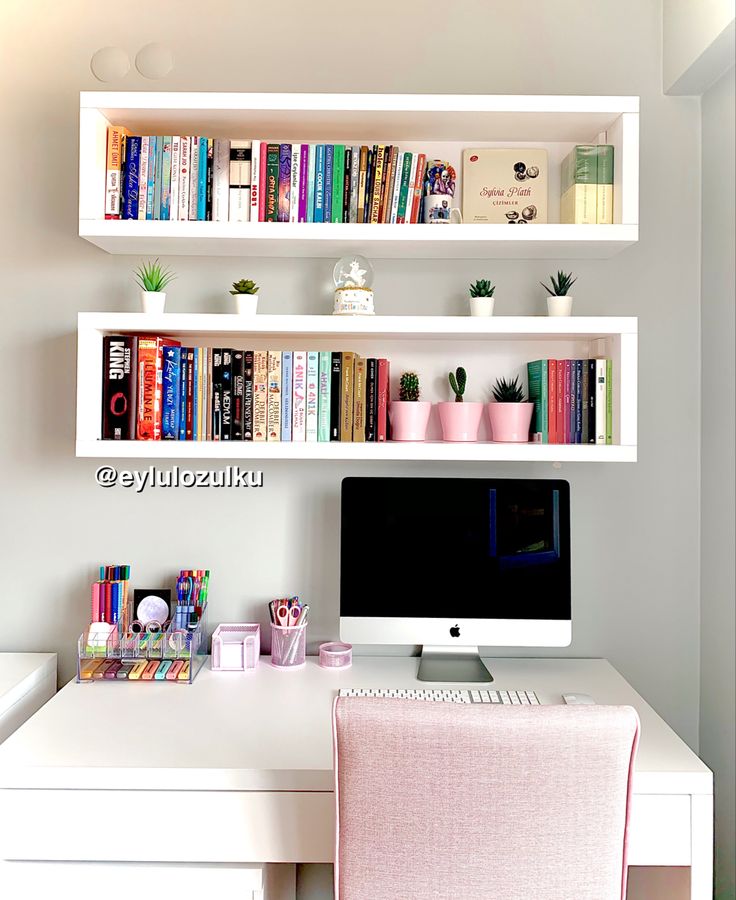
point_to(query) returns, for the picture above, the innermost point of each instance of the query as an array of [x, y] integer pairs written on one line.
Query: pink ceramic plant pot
[[510, 422], [409, 419], [460, 421]]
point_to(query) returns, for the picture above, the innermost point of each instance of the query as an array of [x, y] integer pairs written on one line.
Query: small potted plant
[[409, 415], [153, 279], [481, 298], [459, 420], [559, 302], [245, 292], [510, 413]]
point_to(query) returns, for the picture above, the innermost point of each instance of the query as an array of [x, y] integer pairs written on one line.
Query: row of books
[[573, 401], [155, 389], [197, 178], [586, 185]]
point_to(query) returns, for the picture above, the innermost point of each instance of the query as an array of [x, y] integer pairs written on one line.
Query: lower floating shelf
[[391, 450]]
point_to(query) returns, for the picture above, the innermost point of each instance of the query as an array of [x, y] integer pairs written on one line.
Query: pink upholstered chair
[[455, 802]]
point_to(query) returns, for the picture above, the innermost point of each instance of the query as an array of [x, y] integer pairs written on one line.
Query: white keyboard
[[459, 695]]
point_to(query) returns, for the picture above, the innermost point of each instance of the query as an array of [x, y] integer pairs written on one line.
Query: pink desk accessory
[[335, 655], [236, 648]]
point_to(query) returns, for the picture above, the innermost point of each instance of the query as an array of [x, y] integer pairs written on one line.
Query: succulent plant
[[152, 276], [508, 391], [561, 285], [458, 380], [244, 286], [482, 288], [409, 386]]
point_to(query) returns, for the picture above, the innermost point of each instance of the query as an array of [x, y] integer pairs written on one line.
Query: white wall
[[635, 527], [718, 467], [698, 43]]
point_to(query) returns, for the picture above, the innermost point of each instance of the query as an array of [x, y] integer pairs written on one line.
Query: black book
[[591, 401], [335, 405], [370, 174], [118, 387], [346, 184], [371, 399], [209, 180], [217, 394], [238, 395], [227, 395], [248, 395], [586, 401]]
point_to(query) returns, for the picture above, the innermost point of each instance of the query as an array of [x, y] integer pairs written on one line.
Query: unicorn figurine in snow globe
[[353, 277]]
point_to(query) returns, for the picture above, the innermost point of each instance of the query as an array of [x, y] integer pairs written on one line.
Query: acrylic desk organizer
[[142, 656], [236, 648]]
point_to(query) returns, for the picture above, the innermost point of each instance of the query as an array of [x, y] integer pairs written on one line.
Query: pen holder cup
[[335, 655], [288, 646]]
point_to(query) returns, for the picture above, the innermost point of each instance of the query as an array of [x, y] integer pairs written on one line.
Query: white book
[[296, 156], [354, 178], [299, 396], [143, 178], [255, 180], [410, 192], [600, 401], [221, 180], [240, 177], [312, 394], [184, 160], [175, 176], [397, 186], [193, 178]]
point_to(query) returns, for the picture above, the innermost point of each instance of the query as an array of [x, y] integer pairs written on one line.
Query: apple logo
[[455, 631]]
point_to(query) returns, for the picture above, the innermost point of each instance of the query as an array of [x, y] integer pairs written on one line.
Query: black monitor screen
[[471, 548]]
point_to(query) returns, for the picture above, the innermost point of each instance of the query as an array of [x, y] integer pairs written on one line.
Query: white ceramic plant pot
[[153, 301], [559, 306], [246, 304], [481, 306]]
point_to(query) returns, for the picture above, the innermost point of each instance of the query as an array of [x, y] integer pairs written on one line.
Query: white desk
[[27, 681], [250, 756]]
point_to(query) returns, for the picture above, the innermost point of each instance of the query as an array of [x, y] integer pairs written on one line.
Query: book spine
[[190, 394], [296, 174], [240, 178], [287, 388], [323, 403], [354, 179], [410, 189], [370, 175], [311, 176], [202, 180], [347, 396], [217, 394], [552, 400], [312, 396], [148, 419], [274, 395], [319, 183], [263, 176], [166, 180], [238, 380], [174, 178], [284, 182], [604, 205], [600, 401], [171, 397], [371, 398], [118, 387], [248, 363], [193, 179], [385, 183], [537, 377], [404, 198], [609, 401], [303, 182], [143, 177], [376, 191], [209, 394], [585, 390], [195, 394], [221, 179], [298, 397], [260, 395], [131, 174], [209, 180], [396, 190], [327, 182], [202, 389], [150, 185], [561, 401], [255, 181], [591, 400], [362, 166], [335, 402], [183, 377], [184, 157], [578, 401], [392, 176], [227, 395], [338, 182], [158, 177], [359, 400], [346, 184], [418, 188], [272, 182], [382, 401], [115, 137], [570, 398]]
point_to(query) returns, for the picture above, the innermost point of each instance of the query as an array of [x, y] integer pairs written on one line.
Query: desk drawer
[[660, 830], [154, 826]]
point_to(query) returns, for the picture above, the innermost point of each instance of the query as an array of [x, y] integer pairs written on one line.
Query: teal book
[[338, 182], [404, 189], [325, 375], [539, 396]]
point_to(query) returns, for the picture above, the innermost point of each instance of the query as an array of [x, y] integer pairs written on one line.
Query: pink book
[[299, 393], [566, 413], [382, 412], [262, 182], [303, 182]]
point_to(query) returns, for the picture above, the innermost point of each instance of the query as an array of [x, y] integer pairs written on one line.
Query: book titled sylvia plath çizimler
[[505, 186]]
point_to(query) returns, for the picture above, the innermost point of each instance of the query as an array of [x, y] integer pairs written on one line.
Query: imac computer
[[455, 563]]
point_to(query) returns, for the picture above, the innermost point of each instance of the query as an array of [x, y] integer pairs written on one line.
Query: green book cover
[[539, 396], [404, 189], [323, 407], [580, 166], [272, 183], [338, 182], [609, 401], [604, 153]]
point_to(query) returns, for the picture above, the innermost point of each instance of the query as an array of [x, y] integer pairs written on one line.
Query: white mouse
[[578, 699]]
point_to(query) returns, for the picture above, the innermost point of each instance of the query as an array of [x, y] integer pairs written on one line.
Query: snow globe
[[353, 276]]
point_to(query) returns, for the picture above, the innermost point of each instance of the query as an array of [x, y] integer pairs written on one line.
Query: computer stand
[[452, 664]]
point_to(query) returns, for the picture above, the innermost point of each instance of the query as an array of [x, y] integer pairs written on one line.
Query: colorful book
[[150, 187], [143, 177], [348, 164], [327, 182], [240, 180], [209, 179], [552, 400], [263, 177], [274, 395], [359, 394], [118, 387], [418, 187], [284, 182], [382, 401], [578, 401], [296, 169], [312, 396], [131, 174], [303, 181], [376, 184], [183, 377], [561, 401], [115, 137], [260, 395], [371, 398], [217, 394], [248, 363], [226, 431], [354, 182], [174, 178], [404, 189], [238, 385], [298, 397], [202, 180], [538, 388], [158, 178], [184, 161], [319, 183], [194, 178], [335, 400], [338, 182], [255, 181], [323, 401], [362, 167], [272, 182], [311, 179], [195, 393], [221, 181], [585, 381], [148, 388], [287, 389], [591, 400], [347, 396]]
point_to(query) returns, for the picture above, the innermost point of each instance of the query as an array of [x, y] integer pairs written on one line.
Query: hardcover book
[[359, 395], [287, 389], [118, 387], [298, 397], [158, 169], [274, 395], [354, 181], [202, 180], [260, 395], [362, 166], [148, 389], [505, 186], [323, 403], [209, 179], [537, 376], [263, 178], [303, 176], [609, 401], [346, 397], [312, 396]]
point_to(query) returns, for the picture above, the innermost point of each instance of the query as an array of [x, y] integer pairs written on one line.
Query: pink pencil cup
[[288, 646]]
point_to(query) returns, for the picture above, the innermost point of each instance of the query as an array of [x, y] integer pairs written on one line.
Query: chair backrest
[[471, 802]]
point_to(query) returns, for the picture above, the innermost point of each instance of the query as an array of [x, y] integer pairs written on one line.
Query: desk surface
[[271, 730], [21, 673]]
